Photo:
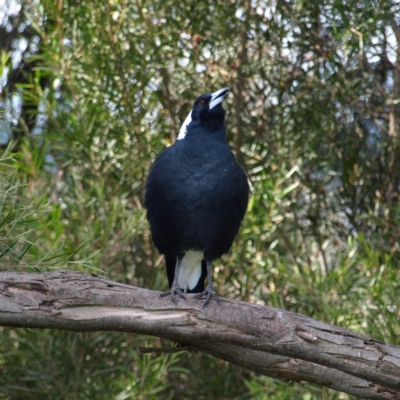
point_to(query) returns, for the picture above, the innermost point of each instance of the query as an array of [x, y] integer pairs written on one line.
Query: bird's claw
[[209, 293], [175, 291]]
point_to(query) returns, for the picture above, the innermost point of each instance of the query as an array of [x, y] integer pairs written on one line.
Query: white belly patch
[[190, 271]]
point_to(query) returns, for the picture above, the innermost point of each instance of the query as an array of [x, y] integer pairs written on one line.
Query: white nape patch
[[218, 97], [183, 130], [190, 271]]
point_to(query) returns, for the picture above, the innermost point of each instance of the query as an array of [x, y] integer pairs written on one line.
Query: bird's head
[[206, 108]]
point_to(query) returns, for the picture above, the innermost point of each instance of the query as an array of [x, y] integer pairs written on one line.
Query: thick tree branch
[[269, 341]]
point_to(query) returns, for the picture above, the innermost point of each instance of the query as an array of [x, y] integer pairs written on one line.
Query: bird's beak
[[218, 97]]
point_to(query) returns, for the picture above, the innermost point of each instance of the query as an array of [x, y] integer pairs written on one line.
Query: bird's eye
[[202, 102]]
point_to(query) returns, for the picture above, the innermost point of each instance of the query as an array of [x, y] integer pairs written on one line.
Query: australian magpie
[[196, 197]]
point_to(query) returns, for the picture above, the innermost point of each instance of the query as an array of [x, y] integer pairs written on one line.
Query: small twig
[[159, 350]]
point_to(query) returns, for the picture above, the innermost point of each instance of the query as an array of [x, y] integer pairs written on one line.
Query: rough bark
[[269, 341]]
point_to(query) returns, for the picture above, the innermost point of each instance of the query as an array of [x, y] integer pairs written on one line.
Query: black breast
[[196, 197]]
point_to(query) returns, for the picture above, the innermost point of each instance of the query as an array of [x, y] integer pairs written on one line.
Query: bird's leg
[[209, 292], [175, 289]]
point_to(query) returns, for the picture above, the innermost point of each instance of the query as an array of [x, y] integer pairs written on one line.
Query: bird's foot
[[209, 293], [175, 291]]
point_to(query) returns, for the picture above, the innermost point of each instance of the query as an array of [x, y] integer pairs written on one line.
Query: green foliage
[[93, 91]]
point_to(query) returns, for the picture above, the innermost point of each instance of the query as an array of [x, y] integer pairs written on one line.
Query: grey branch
[[262, 339]]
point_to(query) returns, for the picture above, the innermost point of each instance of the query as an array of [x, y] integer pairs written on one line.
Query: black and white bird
[[196, 197]]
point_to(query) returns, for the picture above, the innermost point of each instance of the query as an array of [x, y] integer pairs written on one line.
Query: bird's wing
[[165, 200]]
